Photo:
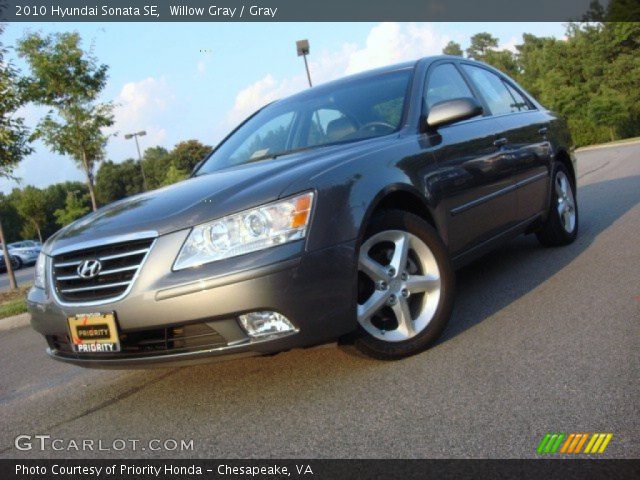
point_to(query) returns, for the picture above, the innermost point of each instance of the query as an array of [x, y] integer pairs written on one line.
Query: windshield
[[363, 108]]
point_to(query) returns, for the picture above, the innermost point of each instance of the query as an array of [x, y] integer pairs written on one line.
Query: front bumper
[[315, 290]]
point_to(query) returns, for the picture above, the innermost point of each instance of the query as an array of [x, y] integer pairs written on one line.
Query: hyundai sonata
[[339, 213]]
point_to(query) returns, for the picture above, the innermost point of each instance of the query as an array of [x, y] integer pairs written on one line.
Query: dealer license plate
[[94, 333]]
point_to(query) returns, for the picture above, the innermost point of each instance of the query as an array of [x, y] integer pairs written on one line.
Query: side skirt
[[480, 249]]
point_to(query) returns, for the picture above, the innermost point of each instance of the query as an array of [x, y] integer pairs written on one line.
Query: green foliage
[[481, 43], [592, 78], [174, 175], [118, 180], [11, 219], [68, 79], [185, 155], [62, 74], [31, 206], [503, 60], [161, 167], [74, 209], [453, 48], [156, 161], [14, 136]]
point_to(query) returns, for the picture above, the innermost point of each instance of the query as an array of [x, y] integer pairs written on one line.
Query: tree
[[174, 175], [503, 60], [453, 48], [68, 79], [156, 162], [12, 221], [14, 136], [32, 204], [481, 43], [118, 180], [185, 155], [74, 209], [592, 78]]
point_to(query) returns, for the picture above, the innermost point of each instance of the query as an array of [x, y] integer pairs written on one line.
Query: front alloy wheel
[[405, 286]]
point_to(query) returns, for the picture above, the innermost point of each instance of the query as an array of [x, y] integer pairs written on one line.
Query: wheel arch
[[399, 197], [564, 157]]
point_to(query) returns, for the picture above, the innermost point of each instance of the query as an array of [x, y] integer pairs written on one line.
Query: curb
[[16, 321], [607, 145]]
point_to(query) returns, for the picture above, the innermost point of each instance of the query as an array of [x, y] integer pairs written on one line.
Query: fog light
[[260, 324]]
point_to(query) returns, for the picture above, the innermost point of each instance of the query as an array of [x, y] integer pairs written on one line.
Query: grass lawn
[[14, 302]]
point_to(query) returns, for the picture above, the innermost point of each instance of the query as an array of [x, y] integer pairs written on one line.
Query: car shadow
[[502, 276]]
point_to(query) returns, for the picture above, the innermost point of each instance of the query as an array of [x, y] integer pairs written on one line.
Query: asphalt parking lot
[[24, 275], [541, 340]]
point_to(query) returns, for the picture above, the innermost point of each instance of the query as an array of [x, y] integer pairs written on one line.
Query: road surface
[[541, 340], [24, 275]]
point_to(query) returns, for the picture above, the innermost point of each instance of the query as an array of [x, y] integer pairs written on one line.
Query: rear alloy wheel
[[561, 226], [405, 286]]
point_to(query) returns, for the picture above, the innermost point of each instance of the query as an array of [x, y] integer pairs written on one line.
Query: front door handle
[[543, 131], [500, 142]]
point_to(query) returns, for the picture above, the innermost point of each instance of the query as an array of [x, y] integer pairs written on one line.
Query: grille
[[120, 263], [186, 338]]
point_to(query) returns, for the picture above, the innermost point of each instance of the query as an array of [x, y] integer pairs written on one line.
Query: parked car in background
[[3, 265], [339, 213], [25, 252], [26, 244]]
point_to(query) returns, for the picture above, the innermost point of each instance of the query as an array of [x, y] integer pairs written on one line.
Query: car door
[[472, 180], [524, 135], [526, 130]]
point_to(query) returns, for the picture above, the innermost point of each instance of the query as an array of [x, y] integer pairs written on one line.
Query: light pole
[[128, 136], [302, 47]]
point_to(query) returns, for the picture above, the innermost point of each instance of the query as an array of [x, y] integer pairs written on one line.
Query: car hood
[[204, 198]]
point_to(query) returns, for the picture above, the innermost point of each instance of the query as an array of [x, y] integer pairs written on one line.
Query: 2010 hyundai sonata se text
[[339, 213]]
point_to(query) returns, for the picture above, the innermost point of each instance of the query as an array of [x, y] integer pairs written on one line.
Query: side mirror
[[452, 111]]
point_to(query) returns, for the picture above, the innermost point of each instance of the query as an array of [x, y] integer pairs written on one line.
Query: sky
[[180, 81]]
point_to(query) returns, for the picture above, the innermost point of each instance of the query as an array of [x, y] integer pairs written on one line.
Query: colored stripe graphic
[[565, 447], [607, 439], [581, 443], [543, 443], [572, 443]]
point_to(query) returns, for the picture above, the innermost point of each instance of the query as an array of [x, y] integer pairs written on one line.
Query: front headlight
[[40, 271], [256, 229]]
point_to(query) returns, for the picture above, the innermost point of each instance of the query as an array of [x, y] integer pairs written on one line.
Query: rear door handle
[[543, 131], [500, 142]]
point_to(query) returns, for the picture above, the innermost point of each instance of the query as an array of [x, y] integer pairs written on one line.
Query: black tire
[[17, 263], [553, 233], [386, 350]]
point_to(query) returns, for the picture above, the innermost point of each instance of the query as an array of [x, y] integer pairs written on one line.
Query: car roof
[[372, 73], [352, 78]]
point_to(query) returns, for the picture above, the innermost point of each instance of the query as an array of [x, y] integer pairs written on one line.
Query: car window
[[493, 90], [270, 138], [329, 125], [357, 109], [445, 83], [520, 102]]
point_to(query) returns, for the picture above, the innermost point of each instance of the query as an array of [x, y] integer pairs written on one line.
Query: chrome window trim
[[93, 244]]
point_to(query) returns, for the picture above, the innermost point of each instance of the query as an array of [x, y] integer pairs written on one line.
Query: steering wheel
[[373, 126]]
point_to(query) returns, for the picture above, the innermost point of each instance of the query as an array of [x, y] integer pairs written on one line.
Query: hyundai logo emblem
[[89, 269]]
